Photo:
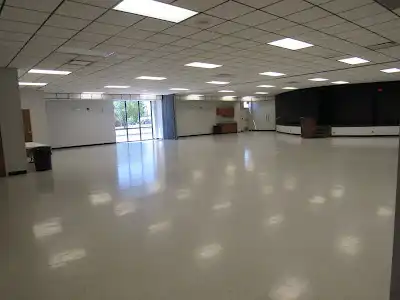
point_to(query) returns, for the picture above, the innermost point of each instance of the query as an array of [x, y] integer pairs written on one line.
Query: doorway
[[26, 117], [133, 121]]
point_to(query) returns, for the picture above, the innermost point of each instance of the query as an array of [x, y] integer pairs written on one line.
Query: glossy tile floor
[[254, 216]]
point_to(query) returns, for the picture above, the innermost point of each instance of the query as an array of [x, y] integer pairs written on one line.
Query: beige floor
[[258, 216]]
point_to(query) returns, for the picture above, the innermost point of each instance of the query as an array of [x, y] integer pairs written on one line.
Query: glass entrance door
[[133, 121]]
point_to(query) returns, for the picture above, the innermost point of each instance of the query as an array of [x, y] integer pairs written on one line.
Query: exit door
[[262, 115]]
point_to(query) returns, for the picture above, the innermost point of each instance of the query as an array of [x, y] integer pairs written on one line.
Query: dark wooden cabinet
[[225, 128]]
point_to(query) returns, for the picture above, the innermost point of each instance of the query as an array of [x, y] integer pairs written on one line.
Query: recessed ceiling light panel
[[155, 9], [290, 44], [289, 88], [354, 61], [392, 70], [261, 93], [117, 86], [273, 74], [151, 78], [266, 86], [49, 72], [32, 84], [340, 82], [178, 89], [226, 91], [203, 65], [318, 79], [218, 82], [228, 98]]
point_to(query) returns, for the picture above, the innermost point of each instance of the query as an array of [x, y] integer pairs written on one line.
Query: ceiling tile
[[227, 27], [207, 46], [249, 33], [245, 45], [308, 15], [230, 10], [376, 19], [363, 37], [258, 3], [135, 33], [181, 30], [146, 45], [287, 7], [120, 41], [90, 37], [42, 5], [80, 44], [119, 18], [295, 30], [51, 31], [202, 21], [162, 38], [337, 6], [82, 11], [343, 27], [227, 40], [363, 11], [23, 15], [153, 24], [325, 22], [14, 36], [197, 5], [276, 25], [205, 35], [255, 18], [102, 28], [187, 42], [101, 3], [18, 26], [67, 22]]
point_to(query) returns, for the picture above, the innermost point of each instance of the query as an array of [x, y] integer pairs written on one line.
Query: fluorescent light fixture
[[178, 89], [228, 98], [273, 74], [290, 44], [266, 86], [50, 72], [318, 79], [218, 82], [154, 9], [247, 98], [194, 97], [289, 88], [117, 86], [32, 84], [203, 65], [226, 91], [261, 93], [392, 70], [354, 60], [340, 82], [151, 78], [92, 92]]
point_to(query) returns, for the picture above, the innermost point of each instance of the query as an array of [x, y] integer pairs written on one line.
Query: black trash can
[[42, 158]]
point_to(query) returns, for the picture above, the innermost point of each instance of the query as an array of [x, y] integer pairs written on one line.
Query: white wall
[[197, 117], [34, 101], [11, 124], [262, 115], [80, 122]]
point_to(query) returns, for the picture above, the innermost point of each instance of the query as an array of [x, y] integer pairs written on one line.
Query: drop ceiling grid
[[244, 51]]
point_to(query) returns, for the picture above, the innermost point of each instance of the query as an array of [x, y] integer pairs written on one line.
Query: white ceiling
[[36, 34]]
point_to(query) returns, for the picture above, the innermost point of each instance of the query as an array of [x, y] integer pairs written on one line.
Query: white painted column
[[11, 124]]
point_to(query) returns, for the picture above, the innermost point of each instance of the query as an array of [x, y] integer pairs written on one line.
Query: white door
[[262, 115]]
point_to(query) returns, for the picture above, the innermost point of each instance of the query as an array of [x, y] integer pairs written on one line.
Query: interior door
[[263, 115], [2, 162], [26, 117]]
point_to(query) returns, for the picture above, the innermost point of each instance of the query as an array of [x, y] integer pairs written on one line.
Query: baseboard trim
[[192, 135], [81, 146], [15, 173], [366, 136]]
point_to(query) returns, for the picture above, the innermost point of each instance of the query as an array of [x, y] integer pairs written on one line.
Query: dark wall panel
[[371, 104]]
